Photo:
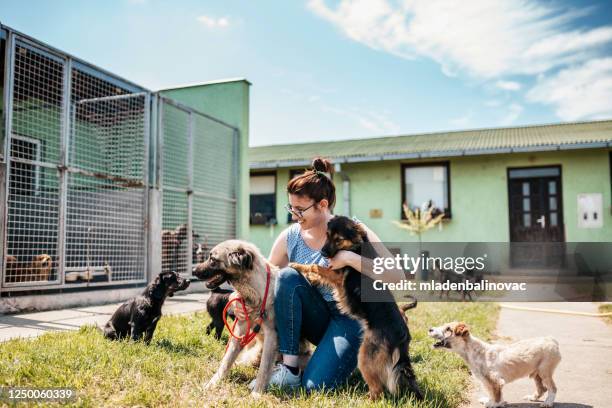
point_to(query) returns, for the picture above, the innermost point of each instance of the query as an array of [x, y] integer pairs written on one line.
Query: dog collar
[[251, 333]]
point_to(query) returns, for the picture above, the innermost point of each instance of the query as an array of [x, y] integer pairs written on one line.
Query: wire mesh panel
[[104, 230], [32, 236], [175, 225], [214, 183], [76, 198], [199, 179], [38, 99], [106, 203], [32, 223]]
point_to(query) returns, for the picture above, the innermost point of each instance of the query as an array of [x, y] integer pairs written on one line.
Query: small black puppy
[[137, 318], [214, 305]]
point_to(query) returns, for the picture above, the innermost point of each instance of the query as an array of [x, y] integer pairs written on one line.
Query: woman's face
[[312, 215]]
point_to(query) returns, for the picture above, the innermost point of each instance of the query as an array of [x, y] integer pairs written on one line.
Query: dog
[[383, 358], [138, 317], [215, 305], [241, 264], [496, 365], [449, 275], [171, 245], [39, 269]]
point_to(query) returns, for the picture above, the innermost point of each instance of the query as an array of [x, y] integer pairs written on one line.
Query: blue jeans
[[301, 312]]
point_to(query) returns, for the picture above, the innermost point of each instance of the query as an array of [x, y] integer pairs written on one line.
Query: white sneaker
[[281, 377]]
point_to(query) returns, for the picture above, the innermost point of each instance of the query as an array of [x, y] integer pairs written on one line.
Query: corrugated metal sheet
[[469, 142]]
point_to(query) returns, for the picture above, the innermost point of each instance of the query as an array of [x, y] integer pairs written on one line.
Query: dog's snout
[[430, 330]]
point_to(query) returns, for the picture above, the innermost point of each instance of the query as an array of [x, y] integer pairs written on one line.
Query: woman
[[307, 311]]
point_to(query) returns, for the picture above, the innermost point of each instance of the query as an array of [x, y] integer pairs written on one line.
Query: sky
[[333, 70]]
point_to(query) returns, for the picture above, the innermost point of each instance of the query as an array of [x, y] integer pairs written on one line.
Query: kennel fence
[[76, 148]]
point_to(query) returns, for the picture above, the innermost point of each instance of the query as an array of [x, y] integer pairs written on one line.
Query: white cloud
[[490, 40], [514, 111], [508, 85], [212, 22], [483, 38], [579, 92]]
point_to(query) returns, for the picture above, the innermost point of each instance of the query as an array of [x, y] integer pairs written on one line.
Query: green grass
[[171, 370], [606, 308]]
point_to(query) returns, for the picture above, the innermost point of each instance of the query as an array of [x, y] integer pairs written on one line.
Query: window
[[25, 177], [422, 183], [263, 198]]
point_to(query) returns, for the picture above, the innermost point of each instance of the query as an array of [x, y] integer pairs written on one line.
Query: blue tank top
[[298, 251]]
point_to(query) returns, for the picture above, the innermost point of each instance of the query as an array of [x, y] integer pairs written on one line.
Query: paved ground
[[34, 324], [584, 376]]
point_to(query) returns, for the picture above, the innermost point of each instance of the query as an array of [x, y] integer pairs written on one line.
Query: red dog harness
[[251, 332]]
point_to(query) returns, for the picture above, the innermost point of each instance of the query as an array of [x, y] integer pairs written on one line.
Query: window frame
[[37, 159], [262, 174], [445, 164]]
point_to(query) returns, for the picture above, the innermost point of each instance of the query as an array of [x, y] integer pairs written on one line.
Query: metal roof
[[564, 136]]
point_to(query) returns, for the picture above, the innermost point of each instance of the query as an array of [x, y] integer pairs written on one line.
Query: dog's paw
[[531, 397], [493, 404], [212, 383], [256, 395], [547, 404], [483, 400]]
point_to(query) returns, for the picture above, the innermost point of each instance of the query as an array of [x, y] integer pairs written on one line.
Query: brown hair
[[315, 183]]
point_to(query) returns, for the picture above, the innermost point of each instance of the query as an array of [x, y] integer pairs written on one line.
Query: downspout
[[346, 189]]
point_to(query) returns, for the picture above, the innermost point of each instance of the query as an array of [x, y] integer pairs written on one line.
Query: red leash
[[250, 334]]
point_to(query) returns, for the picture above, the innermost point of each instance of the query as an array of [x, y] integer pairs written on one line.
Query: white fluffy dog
[[496, 364]]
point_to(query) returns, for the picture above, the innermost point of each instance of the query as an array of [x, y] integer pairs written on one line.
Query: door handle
[[542, 221]]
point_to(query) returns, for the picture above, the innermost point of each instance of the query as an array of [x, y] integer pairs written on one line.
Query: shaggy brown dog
[[39, 270], [383, 357], [241, 264]]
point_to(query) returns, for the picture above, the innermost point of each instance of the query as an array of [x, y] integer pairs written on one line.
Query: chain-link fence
[[75, 175]]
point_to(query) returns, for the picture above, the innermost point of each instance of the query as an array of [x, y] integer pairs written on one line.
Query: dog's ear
[[462, 330], [242, 258], [362, 232]]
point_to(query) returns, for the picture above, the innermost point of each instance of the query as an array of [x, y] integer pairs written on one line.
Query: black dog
[[383, 358], [137, 318], [214, 305]]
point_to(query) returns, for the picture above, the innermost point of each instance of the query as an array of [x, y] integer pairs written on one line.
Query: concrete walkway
[[584, 376], [35, 324]]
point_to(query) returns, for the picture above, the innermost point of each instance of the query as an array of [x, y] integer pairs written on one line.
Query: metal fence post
[[9, 84], [63, 185], [190, 195]]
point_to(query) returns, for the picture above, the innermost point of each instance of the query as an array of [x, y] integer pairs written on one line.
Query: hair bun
[[321, 164]]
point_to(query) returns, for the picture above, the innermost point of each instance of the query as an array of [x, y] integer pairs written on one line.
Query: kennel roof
[[564, 136]]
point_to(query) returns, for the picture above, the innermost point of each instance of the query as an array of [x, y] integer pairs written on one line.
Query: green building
[[532, 183]]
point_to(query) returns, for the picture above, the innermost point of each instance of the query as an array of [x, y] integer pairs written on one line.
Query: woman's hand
[[345, 258], [237, 307]]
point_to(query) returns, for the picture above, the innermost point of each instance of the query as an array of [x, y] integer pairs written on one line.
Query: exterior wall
[[478, 193], [228, 101]]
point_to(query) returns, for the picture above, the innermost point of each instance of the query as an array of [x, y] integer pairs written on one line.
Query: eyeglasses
[[298, 213]]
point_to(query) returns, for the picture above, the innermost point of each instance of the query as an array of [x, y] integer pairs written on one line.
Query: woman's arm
[[364, 265], [278, 253]]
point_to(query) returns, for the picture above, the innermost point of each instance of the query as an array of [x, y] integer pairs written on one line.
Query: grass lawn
[[171, 370]]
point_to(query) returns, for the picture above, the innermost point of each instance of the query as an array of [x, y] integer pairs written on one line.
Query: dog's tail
[[407, 306], [402, 378]]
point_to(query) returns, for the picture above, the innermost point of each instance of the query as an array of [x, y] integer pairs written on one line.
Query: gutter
[[440, 153]]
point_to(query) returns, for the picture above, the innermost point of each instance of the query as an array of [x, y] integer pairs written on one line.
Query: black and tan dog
[[383, 357], [138, 317], [215, 305]]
